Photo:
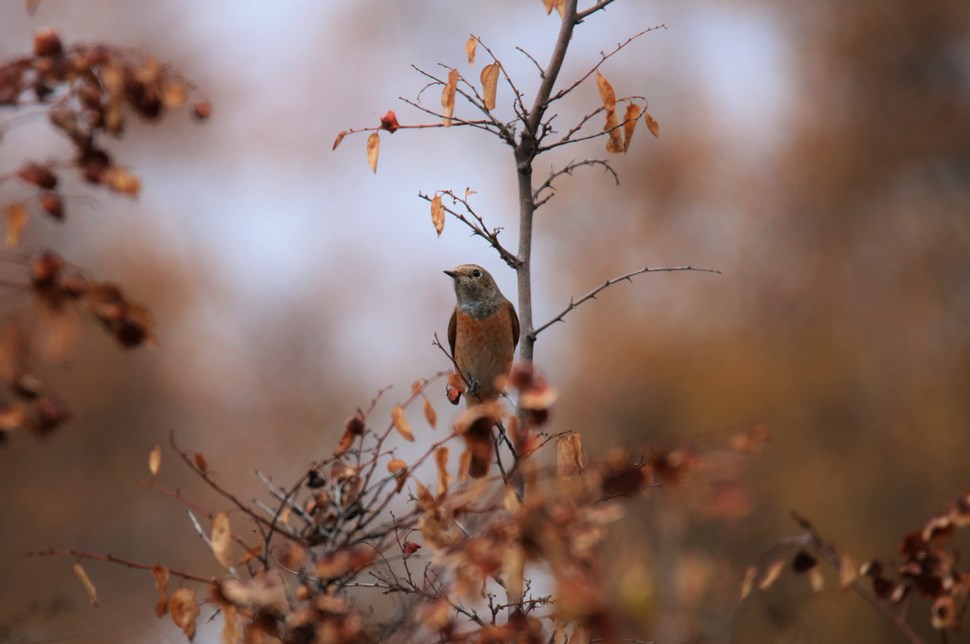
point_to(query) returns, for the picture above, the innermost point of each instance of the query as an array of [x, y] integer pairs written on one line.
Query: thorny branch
[[477, 225], [128, 563], [568, 169], [610, 282]]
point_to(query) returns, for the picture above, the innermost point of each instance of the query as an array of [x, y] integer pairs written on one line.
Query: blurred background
[[818, 154]]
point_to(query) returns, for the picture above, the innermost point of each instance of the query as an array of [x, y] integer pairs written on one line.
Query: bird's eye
[[476, 273]]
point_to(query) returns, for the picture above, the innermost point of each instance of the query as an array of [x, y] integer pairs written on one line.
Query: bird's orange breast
[[483, 350]]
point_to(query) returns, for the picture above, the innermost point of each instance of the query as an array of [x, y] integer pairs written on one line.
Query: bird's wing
[[515, 324], [452, 325]]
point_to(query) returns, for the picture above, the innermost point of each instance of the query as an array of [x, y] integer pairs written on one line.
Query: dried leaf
[[121, 181], [17, 215], [174, 94], [230, 624], [513, 570], [570, 459], [441, 459], [161, 575], [490, 74], [221, 539], [772, 574], [389, 122], [53, 205], [748, 583], [397, 465], [470, 45], [184, 610], [409, 548], [448, 96], [265, 591], [429, 413], [437, 214], [816, 579], [155, 460], [614, 144], [652, 124], [340, 137], [373, 150], [848, 571], [607, 95], [630, 119], [464, 465], [201, 463], [82, 577], [401, 423]]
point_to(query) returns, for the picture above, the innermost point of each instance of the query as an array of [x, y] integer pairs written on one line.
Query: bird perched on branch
[[482, 334]]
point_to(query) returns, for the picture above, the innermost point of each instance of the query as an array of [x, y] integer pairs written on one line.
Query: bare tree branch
[[477, 226], [610, 282], [585, 13], [568, 169], [97, 556]]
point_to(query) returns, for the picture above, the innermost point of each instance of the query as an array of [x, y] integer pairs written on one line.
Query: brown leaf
[[652, 124], [53, 205], [848, 571], [155, 460], [340, 137], [772, 574], [121, 181], [401, 423], [398, 468], [409, 548], [38, 175], [184, 610], [748, 583], [161, 575], [614, 144], [630, 119], [470, 45], [373, 150], [490, 74], [265, 592], [82, 577], [174, 94], [230, 624], [441, 459], [607, 95], [570, 459], [201, 463], [429, 413], [454, 388], [448, 96], [437, 214], [17, 215], [221, 539], [513, 570]]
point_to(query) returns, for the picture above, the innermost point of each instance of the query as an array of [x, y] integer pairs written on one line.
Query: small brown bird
[[482, 334]]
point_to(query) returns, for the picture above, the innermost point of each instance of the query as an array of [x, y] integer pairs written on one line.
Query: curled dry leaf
[[630, 119], [222, 539], [409, 548], [155, 460], [437, 214], [607, 95], [570, 459], [265, 592], [161, 575], [441, 460], [82, 577], [470, 46], [429, 413], [454, 388], [401, 423], [17, 215], [340, 137], [398, 468], [448, 96], [490, 75], [848, 571], [201, 463], [772, 573], [184, 610], [373, 150], [748, 583], [652, 124], [52, 204], [614, 144]]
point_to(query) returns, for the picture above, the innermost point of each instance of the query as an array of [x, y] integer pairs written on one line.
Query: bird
[[482, 334]]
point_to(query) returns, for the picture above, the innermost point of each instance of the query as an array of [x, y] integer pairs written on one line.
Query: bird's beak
[[451, 274]]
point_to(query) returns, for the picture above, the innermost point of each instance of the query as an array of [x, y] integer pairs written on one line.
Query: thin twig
[[97, 556], [585, 13], [568, 169], [610, 282]]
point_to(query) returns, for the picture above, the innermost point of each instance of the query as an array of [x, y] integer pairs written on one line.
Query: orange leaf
[[490, 84], [615, 143], [607, 95], [155, 460], [748, 583], [340, 137], [570, 459], [160, 573], [848, 571], [429, 413], [82, 576], [437, 214], [121, 181], [201, 463], [222, 539], [396, 466], [373, 150], [401, 423], [772, 574], [630, 119], [441, 459], [184, 610], [470, 45], [652, 124], [17, 215], [448, 96]]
